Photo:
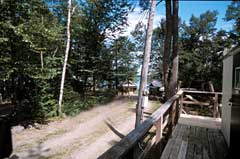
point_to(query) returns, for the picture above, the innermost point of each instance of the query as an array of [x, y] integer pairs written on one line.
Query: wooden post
[[171, 118], [181, 104], [215, 107], [159, 130], [177, 111], [211, 88], [1, 100], [174, 113]]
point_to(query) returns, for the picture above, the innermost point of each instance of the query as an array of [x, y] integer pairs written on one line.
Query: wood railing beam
[[159, 130], [120, 149]]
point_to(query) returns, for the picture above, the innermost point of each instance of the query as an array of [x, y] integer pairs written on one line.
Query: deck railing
[[163, 119], [211, 101], [165, 116]]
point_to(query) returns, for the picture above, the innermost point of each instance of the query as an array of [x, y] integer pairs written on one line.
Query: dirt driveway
[[85, 136]]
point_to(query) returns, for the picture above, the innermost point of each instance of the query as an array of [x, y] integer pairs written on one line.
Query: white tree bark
[[65, 58], [144, 71], [41, 55]]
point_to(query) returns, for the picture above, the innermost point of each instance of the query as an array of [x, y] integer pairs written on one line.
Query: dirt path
[[84, 136]]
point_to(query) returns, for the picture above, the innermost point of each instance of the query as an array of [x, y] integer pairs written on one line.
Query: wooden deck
[[201, 121], [196, 137]]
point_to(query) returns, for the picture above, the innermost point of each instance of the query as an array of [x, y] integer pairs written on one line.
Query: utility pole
[[144, 72]]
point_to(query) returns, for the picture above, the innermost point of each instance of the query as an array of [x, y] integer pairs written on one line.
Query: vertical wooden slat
[[177, 111], [159, 130], [181, 104], [171, 117], [215, 106], [173, 112]]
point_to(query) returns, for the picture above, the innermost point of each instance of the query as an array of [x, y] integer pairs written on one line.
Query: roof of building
[[128, 84], [155, 83], [232, 51]]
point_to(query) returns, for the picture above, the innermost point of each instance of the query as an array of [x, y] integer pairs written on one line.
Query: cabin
[[127, 87], [231, 98], [172, 132], [154, 88]]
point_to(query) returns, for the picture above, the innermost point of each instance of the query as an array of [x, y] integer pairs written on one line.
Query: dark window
[[237, 78]]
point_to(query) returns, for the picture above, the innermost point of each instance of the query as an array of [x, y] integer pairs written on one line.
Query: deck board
[[201, 121], [198, 141]]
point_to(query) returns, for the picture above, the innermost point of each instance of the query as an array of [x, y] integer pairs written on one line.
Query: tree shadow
[[38, 152], [132, 110], [114, 130]]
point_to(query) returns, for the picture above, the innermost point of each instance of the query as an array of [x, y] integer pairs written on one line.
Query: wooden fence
[[211, 101]]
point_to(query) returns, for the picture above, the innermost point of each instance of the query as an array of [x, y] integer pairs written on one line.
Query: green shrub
[[74, 104]]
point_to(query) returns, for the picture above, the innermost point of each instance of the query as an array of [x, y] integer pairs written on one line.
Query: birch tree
[[65, 58], [144, 71]]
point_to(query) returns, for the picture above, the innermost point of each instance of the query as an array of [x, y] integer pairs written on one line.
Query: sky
[[186, 9]]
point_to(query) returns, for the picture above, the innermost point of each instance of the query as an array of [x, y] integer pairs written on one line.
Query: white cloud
[[136, 16]]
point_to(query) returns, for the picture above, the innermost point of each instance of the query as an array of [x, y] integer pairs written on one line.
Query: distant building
[[127, 87], [154, 88]]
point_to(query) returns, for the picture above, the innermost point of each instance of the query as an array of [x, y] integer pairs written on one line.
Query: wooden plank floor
[[200, 121], [195, 142]]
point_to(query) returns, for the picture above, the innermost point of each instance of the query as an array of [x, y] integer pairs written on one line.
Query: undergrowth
[[74, 103]]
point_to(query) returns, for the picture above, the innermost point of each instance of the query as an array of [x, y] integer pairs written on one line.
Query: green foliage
[[28, 28], [47, 102], [201, 51], [74, 104], [155, 67], [138, 35], [125, 59], [145, 5], [91, 59], [32, 43], [233, 14]]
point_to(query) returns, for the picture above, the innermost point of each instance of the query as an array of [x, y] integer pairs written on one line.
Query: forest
[[33, 39]]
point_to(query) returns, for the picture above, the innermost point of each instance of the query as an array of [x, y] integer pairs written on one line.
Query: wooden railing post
[[215, 106], [181, 104], [173, 113], [171, 119], [177, 111], [159, 130]]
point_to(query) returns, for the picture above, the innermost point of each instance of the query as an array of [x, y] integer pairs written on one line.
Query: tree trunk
[[170, 68], [41, 55], [144, 71], [167, 48], [116, 65], [65, 58], [94, 84], [175, 55]]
